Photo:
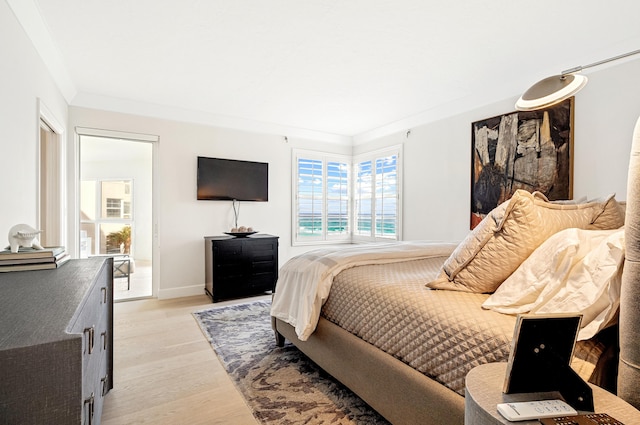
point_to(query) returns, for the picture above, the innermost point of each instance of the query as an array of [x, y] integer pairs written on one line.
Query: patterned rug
[[280, 384]]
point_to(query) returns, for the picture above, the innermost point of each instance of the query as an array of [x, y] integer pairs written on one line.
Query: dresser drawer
[[94, 363], [262, 281], [94, 308], [259, 267], [228, 250], [95, 391], [93, 325]]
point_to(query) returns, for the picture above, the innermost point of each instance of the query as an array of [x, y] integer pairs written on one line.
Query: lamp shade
[[550, 91]]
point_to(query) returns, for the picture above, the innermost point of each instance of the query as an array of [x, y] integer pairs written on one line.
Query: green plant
[[119, 239]]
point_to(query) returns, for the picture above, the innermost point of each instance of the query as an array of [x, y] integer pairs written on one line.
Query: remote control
[[586, 419], [527, 410]]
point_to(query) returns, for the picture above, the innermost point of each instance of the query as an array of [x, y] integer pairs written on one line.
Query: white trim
[[56, 158], [155, 217], [205, 118], [113, 134], [155, 183], [50, 118], [453, 108], [186, 291], [73, 202]]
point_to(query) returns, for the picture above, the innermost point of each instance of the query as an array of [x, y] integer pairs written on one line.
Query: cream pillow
[[592, 288], [511, 232], [550, 262], [574, 271]]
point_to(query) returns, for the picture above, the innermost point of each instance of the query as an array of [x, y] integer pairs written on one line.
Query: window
[[106, 215], [377, 195], [321, 198], [337, 198], [363, 195], [330, 195], [114, 208], [310, 197]]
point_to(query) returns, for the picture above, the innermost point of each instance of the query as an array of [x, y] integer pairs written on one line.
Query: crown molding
[[127, 106]]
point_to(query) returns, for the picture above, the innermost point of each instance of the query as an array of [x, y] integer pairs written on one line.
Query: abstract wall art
[[530, 150]]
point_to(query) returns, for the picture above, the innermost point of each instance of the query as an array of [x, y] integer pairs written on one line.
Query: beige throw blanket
[[305, 281]]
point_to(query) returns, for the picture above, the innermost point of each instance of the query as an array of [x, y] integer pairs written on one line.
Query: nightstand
[[483, 392]]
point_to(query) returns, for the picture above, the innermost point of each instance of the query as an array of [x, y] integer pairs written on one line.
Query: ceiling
[[340, 69]]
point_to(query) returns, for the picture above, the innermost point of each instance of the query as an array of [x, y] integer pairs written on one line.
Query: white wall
[[437, 156], [23, 80], [437, 160], [606, 112], [185, 221]]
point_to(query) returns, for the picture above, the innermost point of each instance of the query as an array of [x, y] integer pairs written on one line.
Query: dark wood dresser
[[56, 339], [236, 267]]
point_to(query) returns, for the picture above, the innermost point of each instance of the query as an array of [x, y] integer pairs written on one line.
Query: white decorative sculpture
[[23, 235]]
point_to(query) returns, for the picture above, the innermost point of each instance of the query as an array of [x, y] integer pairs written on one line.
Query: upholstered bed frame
[[405, 396], [629, 367]]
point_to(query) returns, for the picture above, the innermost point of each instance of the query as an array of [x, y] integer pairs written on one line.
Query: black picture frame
[[540, 358]]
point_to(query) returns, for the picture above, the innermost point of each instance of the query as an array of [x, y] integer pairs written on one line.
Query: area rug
[[280, 384]]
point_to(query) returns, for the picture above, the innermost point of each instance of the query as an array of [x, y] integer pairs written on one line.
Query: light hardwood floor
[[165, 371]]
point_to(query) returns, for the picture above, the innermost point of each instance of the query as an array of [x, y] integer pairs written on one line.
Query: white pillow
[[511, 232], [574, 271]]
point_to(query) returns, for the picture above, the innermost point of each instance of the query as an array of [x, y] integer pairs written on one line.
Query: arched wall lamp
[[555, 89]]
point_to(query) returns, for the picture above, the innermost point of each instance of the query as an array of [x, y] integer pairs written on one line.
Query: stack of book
[[33, 259]]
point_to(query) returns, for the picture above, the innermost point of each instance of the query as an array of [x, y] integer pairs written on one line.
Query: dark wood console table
[[237, 267]]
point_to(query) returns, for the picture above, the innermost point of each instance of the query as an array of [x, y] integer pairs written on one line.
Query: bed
[[402, 324]]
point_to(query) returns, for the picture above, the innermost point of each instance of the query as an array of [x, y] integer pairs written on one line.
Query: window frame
[[352, 162], [373, 156], [324, 237]]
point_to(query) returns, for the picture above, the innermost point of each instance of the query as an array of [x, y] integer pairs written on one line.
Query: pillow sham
[[550, 262], [574, 271], [511, 232]]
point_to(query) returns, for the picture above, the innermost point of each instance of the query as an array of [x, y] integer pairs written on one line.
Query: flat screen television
[[222, 179]]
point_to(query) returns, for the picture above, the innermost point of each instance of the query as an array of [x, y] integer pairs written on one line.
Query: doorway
[[51, 180], [116, 210]]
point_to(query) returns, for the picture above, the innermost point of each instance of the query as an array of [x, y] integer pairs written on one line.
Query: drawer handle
[[104, 340], [90, 401], [90, 332], [104, 295], [104, 381]]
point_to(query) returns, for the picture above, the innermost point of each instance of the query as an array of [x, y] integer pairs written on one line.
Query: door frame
[[50, 173], [136, 137]]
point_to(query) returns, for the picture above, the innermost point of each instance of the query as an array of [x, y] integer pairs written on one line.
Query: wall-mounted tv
[[222, 179]]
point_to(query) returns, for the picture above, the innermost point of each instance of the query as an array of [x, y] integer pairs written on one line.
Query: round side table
[[483, 392]]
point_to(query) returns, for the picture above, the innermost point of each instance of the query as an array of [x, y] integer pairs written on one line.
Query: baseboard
[[185, 291]]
